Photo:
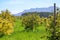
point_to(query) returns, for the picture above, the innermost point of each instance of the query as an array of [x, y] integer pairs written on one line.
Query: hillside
[[48, 9]]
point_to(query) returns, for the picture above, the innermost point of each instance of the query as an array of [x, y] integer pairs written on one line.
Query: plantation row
[[29, 22], [32, 21]]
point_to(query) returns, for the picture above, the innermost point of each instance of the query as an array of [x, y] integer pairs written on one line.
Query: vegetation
[[41, 14], [31, 21], [21, 26], [6, 23], [55, 30]]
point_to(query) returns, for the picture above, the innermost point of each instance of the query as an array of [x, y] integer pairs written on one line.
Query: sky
[[16, 6]]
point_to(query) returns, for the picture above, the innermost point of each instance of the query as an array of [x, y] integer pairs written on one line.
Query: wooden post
[[57, 12], [54, 32], [54, 13]]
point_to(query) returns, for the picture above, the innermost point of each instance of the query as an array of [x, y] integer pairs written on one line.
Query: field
[[20, 34], [29, 27]]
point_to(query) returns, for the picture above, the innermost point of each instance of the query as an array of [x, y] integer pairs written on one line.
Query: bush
[[6, 23], [7, 15], [6, 27], [31, 21], [54, 29]]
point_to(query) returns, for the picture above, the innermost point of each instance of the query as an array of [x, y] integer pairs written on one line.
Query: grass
[[25, 36], [19, 34]]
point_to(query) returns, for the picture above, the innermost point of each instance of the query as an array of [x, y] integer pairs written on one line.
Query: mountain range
[[48, 9]]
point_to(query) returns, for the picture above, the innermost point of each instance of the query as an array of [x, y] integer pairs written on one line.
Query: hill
[[48, 9]]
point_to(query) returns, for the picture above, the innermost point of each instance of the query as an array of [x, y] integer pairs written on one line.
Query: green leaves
[[6, 23], [54, 29], [31, 21]]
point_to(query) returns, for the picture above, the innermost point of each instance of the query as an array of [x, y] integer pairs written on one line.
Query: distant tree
[[41, 14]]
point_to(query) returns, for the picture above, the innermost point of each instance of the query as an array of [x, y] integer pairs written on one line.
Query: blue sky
[[16, 6]]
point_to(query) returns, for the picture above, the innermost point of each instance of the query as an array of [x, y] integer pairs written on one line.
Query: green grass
[[19, 34], [25, 36]]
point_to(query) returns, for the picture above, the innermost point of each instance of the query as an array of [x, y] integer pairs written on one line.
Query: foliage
[[31, 21], [6, 23], [6, 27], [54, 29], [7, 15], [41, 14]]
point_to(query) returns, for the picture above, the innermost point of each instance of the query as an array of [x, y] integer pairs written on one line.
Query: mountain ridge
[[48, 9]]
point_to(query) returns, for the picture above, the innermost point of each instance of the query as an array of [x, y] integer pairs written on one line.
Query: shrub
[[7, 15], [6, 27], [6, 23], [31, 21], [54, 29]]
